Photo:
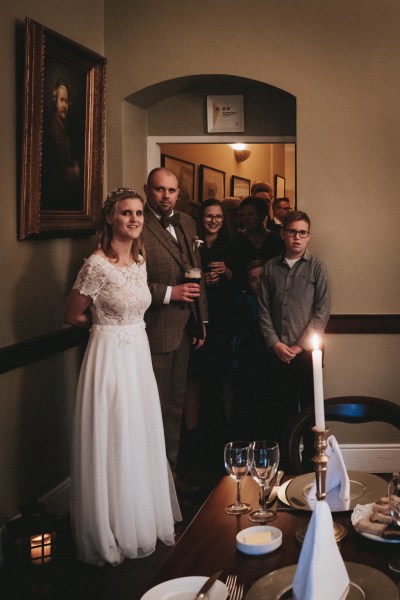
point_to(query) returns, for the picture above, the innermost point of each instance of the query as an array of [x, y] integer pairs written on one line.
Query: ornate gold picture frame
[[62, 136]]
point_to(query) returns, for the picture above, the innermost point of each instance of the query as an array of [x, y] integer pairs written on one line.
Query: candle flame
[[315, 342]]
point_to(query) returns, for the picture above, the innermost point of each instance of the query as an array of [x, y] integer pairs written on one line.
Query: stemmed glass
[[263, 461], [235, 457], [394, 505]]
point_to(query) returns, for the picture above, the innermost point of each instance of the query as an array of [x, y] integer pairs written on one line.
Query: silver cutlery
[[237, 592], [231, 583], [235, 589], [207, 585]]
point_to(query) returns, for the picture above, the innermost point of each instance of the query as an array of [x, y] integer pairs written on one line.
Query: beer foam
[[193, 273]]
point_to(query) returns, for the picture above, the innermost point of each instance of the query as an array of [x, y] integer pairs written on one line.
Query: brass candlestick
[[320, 462]]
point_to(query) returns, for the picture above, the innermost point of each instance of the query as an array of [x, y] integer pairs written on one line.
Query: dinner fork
[[237, 593], [231, 584]]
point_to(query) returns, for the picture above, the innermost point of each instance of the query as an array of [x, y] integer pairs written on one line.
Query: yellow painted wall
[[265, 161]]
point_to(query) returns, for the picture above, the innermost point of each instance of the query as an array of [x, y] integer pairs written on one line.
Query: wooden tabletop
[[209, 543]]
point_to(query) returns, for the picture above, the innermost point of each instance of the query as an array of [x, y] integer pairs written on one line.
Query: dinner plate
[[364, 488], [378, 538], [185, 588], [364, 511], [374, 584]]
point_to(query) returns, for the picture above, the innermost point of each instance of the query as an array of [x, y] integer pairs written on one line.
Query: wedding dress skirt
[[123, 495]]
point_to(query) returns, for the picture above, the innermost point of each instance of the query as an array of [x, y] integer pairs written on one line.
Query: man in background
[[262, 189], [280, 208]]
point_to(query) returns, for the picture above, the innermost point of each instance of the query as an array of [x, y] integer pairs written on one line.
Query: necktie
[[173, 220]]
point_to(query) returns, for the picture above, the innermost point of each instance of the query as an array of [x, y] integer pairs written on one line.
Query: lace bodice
[[120, 295]]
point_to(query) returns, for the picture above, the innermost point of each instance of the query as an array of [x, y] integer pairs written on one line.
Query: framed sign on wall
[[225, 114]]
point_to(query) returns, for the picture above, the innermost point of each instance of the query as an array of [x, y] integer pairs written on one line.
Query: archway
[[175, 113]]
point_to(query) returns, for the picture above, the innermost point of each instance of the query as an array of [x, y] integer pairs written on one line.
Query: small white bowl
[[255, 549]]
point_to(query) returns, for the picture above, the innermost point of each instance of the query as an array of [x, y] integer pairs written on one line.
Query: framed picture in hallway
[[240, 187], [62, 136], [211, 183], [279, 186], [184, 171]]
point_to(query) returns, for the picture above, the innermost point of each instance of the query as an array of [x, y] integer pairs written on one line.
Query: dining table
[[209, 542]]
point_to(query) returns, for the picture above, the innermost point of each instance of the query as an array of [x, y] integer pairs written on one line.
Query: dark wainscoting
[[43, 346], [364, 324]]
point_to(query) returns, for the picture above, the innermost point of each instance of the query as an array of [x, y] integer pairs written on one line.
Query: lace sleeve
[[90, 279]]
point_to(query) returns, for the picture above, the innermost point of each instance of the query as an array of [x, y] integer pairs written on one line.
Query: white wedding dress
[[123, 495]]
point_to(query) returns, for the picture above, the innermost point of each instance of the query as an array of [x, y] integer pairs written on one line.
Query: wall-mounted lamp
[[241, 152]]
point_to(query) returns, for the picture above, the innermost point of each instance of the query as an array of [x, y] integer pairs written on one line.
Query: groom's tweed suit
[[169, 325]]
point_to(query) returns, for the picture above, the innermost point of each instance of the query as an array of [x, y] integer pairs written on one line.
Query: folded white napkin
[[321, 572], [336, 472]]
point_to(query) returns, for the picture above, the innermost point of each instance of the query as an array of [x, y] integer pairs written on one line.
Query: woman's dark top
[[212, 359]]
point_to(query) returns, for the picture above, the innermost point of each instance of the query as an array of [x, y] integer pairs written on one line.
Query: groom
[[169, 240]]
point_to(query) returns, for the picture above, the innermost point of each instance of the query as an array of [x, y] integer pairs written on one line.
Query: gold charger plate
[[374, 584], [364, 488]]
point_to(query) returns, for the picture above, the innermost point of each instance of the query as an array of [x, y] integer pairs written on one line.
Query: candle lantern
[[31, 539]]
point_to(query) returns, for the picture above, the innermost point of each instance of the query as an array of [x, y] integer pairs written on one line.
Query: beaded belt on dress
[[125, 333]]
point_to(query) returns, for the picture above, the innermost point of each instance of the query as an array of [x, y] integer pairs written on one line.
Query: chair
[[347, 409]]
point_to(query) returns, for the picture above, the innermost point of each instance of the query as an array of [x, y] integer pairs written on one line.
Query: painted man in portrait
[[62, 181]]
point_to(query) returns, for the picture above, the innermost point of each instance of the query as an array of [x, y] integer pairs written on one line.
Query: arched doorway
[[175, 113]]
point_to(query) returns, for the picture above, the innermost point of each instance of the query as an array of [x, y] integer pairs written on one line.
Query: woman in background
[[123, 496], [207, 402]]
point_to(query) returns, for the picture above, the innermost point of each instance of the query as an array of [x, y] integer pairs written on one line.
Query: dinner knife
[[210, 581]]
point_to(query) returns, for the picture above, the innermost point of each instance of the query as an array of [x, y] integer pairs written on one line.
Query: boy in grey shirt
[[294, 303]]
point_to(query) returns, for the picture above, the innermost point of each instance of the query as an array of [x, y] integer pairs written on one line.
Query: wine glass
[[235, 457], [394, 506], [263, 460]]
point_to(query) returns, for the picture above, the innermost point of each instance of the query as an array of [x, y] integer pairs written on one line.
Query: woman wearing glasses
[[208, 366]]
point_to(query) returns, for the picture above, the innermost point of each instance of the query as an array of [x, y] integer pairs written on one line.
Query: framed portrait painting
[[184, 171], [62, 136], [211, 183]]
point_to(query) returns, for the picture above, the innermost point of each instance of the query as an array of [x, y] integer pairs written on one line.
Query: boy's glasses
[[293, 232]]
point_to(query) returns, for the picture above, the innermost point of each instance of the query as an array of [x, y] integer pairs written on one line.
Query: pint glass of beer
[[193, 275]]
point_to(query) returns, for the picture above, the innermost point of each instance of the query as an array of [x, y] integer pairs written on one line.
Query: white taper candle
[[318, 386]]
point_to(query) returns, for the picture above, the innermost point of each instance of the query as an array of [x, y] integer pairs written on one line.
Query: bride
[[123, 496]]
